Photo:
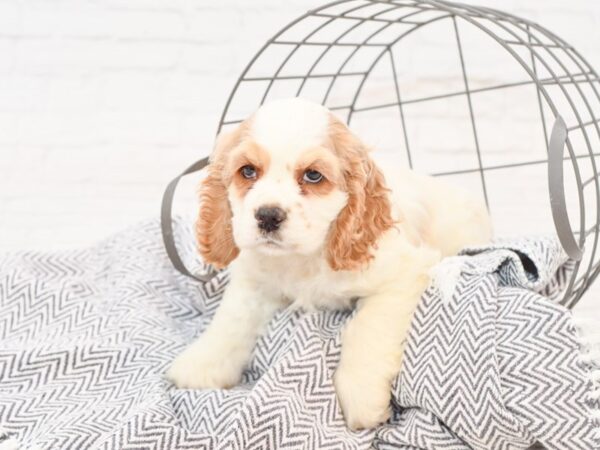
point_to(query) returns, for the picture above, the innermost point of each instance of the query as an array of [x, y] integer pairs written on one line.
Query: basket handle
[[166, 224], [556, 186]]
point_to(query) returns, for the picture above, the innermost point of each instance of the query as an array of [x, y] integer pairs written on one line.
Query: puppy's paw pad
[[365, 403]]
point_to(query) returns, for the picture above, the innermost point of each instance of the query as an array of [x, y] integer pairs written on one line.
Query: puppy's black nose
[[269, 218]]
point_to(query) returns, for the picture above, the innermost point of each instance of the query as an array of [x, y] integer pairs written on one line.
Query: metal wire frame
[[544, 50]]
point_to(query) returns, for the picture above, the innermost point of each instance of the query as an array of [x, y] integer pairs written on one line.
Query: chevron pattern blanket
[[86, 336]]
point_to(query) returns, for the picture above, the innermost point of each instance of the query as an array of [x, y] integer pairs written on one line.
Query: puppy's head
[[292, 179]]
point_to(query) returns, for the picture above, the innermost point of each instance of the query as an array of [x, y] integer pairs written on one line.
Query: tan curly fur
[[368, 212], [214, 231]]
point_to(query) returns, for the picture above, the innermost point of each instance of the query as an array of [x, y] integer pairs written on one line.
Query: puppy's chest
[[312, 288]]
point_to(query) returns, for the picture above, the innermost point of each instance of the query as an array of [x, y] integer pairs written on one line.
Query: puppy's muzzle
[[270, 218]]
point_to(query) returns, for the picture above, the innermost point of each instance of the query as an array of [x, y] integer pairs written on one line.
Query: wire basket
[[358, 58]]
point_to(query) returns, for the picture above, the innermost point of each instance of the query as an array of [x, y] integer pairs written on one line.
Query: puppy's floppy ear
[[214, 231], [367, 213]]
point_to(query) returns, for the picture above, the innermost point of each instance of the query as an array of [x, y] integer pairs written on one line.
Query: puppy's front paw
[[364, 398], [200, 368]]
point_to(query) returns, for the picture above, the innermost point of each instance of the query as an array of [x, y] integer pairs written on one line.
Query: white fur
[[445, 275], [436, 220], [289, 126]]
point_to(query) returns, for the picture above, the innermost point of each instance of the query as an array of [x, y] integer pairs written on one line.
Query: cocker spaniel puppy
[[298, 210]]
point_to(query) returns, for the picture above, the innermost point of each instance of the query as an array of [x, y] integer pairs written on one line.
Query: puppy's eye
[[248, 172], [312, 176]]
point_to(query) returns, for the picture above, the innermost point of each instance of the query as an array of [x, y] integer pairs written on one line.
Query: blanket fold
[[492, 362]]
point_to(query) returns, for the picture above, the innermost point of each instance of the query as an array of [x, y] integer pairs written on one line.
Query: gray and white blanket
[[86, 336]]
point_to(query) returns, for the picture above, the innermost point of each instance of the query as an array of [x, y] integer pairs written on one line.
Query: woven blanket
[[86, 336]]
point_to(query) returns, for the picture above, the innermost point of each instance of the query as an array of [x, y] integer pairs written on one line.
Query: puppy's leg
[[218, 357], [372, 347]]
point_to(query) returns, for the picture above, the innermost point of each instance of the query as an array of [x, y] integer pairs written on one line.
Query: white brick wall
[[102, 102]]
